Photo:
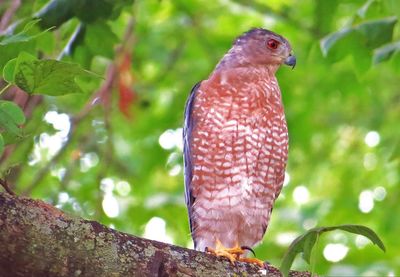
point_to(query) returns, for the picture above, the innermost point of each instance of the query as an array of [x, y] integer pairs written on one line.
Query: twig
[[6, 187], [5, 88], [171, 62], [45, 169], [9, 13], [103, 96]]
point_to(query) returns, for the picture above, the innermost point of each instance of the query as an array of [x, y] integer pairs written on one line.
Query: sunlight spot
[[110, 205], [338, 237], [156, 200], [173, 158], [392, 178], [342, 270], [171, 138], [335, 252], [370, 161], [89, 209], [88, 161], [379, 193], [156, 229], [361, 241], [150, 69], [372, 139], [63, 197], [175, 170], [122, 146], [366, 201], [269, 21], [47, 145], [100, 131], [309, 223], [107, 185], [60, 122], [123, 188], [287, 179], [34, 157], [75, 205], [167, 139], [178, 138], [59, 172], [301, 195], [286, 239]]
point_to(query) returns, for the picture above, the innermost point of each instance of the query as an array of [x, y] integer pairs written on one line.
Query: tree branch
[[8, 14], [39, 240]]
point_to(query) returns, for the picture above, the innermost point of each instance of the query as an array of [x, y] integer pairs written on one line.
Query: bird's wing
[[187, 130]]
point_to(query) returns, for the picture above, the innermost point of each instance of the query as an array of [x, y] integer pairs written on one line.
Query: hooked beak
[[291, 61]]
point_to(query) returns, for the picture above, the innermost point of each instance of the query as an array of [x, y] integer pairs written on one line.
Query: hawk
[[236, 146]]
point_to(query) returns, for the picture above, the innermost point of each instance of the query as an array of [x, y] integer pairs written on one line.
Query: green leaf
[[295, 248], [377, 32], [385, 52], [306, 242], [102, 10], [9, 71], [24, 40], [48, 77], [363, 10], [368, 36], [24, 35], [94, 39], [57, 12], [309, 242], [14, 111], [329, 41], [11, 116], [361, 230]]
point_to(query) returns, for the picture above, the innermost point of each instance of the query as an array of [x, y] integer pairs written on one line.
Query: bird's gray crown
[[256, 32]]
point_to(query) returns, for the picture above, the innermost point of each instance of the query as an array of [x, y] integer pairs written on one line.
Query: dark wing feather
[[187, 132]]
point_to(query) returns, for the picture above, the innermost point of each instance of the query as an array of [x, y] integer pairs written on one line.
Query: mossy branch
[[39, 240]]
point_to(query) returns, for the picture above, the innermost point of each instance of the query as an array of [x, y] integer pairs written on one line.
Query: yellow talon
[[258, 262], [232, 254]]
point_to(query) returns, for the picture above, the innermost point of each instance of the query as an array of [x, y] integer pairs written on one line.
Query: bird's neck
[[247, 74], [252, 85]]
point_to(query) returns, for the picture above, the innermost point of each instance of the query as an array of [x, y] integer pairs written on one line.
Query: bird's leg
[[233, 254]]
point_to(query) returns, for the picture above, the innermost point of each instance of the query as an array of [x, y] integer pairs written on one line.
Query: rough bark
[[36, 239]]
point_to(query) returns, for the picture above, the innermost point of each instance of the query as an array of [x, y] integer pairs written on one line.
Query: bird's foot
[[232, 254], [256, 261]]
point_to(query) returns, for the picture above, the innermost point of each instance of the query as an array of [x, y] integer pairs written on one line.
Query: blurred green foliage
[[342, 104]]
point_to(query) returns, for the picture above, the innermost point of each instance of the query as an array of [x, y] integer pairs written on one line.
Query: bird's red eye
[[272, 44]]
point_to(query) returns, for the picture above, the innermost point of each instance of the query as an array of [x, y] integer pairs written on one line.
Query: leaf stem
[[5, 88]]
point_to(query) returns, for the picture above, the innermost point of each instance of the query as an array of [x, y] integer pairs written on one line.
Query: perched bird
[[236, 146]]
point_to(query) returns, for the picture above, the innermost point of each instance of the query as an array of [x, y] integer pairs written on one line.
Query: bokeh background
[[114, 153]]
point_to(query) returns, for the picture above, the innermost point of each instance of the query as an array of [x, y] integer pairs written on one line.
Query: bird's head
[[261, 47]]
